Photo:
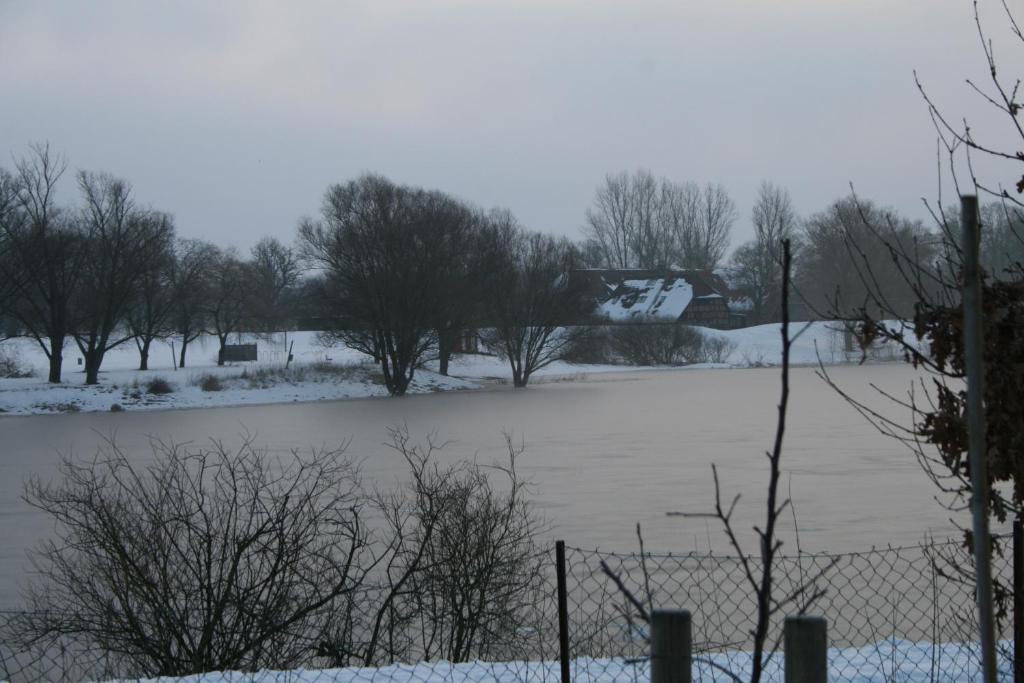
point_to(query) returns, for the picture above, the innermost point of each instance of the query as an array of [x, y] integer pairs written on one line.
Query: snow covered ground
[[319, 372], [884, 662]]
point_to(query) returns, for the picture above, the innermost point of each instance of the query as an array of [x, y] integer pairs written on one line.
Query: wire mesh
[[894, 614]]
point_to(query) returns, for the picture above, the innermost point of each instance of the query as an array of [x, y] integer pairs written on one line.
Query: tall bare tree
[[275, 270], [704, 246], [610, 221], [228, 294], [847, 265], [757, 264], [530, 297], [638, 221], [934, 342], [1002, 239], [458, 304], [150, 313], [384, 249], [626, 222], [44, 254], [9, 214], [124, 243], [191, 273]]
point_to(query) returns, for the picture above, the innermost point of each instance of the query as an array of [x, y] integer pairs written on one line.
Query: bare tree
[[932, 338], [462, 272], [858, 256], [9, 219], [150, 313], [680, 212], [757, 264], [228, 296], [704, 245], [459, 561], [275, 271], [43, 256], [957, 138], [384, 249], [610, 225], [124, 243], [530, 297], [208, 559], [191, 278], [1002, 241], [627, 224], [638, 221]]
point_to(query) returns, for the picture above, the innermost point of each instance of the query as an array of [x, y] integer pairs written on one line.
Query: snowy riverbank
[[320, 372]]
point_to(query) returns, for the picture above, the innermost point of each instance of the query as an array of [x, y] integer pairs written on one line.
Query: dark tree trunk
[[220, 352], [444, 352], [519, 376], [144, 354], [181, 356], [56, 361], [93, 358], [397, 376]]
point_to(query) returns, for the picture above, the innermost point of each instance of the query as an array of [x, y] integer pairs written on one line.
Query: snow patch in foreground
[[882, 662]]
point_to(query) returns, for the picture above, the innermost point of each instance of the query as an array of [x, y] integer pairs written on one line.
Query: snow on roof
[[659, 298]]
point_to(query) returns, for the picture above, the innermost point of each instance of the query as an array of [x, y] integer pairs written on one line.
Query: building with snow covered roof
[[693, 297]]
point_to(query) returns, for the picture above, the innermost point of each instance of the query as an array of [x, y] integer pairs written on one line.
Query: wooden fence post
[[563, 611], [1018, 602], [671, 657], [806, 648]]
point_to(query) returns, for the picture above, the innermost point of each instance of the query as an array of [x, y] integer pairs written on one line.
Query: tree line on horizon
[[400, 272]]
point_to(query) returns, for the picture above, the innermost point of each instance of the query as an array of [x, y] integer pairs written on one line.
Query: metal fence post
[[563, 611], [671, 644], [974, 366], [1018, 602], [806, 646]]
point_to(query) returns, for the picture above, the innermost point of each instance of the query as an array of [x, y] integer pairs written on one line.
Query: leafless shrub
[[59, 407], [209, 559], [653, 343], [262, 377], [213, 558], [717, 349], [481, 558], [208, 382], [460, 565], [159, 386], [11, 366]]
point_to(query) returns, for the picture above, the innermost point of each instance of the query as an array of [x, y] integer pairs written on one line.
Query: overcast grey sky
[[235, 116]]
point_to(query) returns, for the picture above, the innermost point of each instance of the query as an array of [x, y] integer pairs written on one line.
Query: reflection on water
[[605, 453]]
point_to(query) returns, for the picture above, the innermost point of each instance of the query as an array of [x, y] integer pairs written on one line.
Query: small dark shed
[[234, 353]]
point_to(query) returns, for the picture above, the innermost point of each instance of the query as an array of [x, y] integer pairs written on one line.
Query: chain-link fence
[[894, 614]]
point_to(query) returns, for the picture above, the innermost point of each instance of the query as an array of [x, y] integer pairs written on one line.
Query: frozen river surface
[[604, 452]]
